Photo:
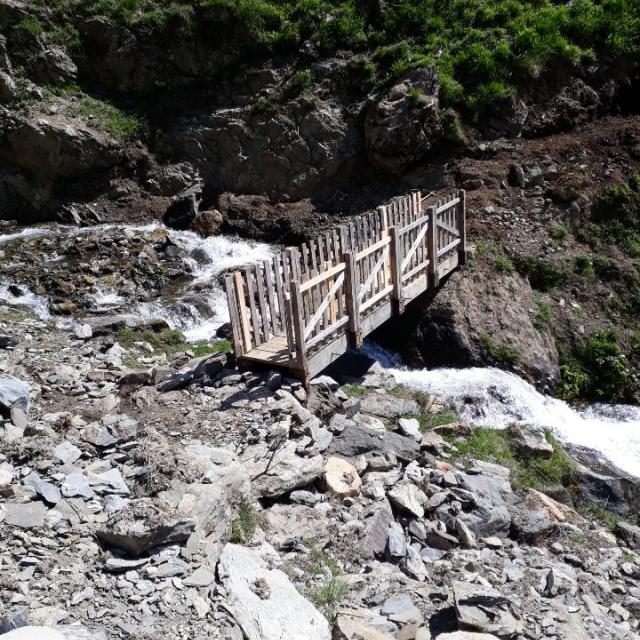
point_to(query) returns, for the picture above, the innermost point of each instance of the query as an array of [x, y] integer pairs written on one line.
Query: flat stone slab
[[27, 515]]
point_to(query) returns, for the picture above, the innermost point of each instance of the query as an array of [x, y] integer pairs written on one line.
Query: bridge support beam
[[352, 297], [432, 244], [297, 319], [395, 259], [462, 227]]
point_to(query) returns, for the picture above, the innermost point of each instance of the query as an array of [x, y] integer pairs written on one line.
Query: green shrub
[[543, 274], [559, 233], [417, 98], [501, 353], [243, 526], [503, 264], [31, 25], [544, 317], [356, 390], [120, 125], [584, 266], [573, 382]]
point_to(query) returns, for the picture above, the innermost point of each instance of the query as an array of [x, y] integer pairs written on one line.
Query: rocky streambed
[[149, 491]]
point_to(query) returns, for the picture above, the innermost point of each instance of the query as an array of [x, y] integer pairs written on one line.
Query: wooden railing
[[307, 297]]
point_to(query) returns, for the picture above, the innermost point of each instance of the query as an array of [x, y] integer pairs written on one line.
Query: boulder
[[262, 600], [341, 478], [207, 223], [452, 330], [276, 472], [353, 625], [402, 123], [358, 440], [483, 609], [13, 393], [466, 635], [491, 492], [182, 211], [531, 441], [408, 497]]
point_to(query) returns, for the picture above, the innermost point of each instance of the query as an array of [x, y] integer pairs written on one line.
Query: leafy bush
[[598, 371], [544, 317], [502, 353], [616, 218], [543, 275], [120, 125], [560, 233], [584, 266], [244, 525]]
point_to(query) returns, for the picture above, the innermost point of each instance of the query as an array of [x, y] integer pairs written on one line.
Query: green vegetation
[[597, 370], [616, 218], [243, 526], [544, 317], [483, 52], [356, 390], [120, 125], [171, 341], [601, 514], [584, 266], [500, 260], [499, 446], [31, 25], [327, 597], [559, 233], [543, 274], [502, 353]]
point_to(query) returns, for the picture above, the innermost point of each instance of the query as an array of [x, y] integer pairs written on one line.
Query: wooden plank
[[396, 270], [270, 291], [325, 303], [448, 228], [377, 316], [298, 328], [325, 333], [448, 247], [461, 223], [374, 247], [421, 266], [410, 253], [364, 289], [251, 295], [337, 244], [285, 318], [352, 299], [371, 301], [262, 304], [325, 275], [242, 310], [441, 206], [433, 247], [327, 354], [236, 326]]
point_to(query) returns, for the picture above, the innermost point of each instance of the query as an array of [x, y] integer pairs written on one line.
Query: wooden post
[[238, 346], [242, 311], [352, 299], [432, 244], [461, 211], [395, 258], [298, 328]]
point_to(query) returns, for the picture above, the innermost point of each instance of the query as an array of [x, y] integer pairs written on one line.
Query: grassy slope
[[484, 51]]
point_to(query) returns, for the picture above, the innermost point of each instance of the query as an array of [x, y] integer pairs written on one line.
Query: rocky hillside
[[148, 493]]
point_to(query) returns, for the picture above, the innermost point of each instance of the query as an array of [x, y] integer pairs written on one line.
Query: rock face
[[263, 601], [287, 152], [402, 124], [473, 319], [46, 150]]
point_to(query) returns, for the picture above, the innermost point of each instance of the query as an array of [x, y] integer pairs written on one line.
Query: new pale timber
[[305, 307]]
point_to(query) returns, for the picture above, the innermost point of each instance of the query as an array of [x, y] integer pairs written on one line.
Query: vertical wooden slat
[[433, 248], [298, 328], [461, 214], [352, 289], [396, 269], [262, 304], [283, 306], [275, 320], [251, 295], [242, 310], [236, 325]]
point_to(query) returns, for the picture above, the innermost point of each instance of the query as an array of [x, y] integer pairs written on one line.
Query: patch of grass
[[559, 233], [584, 266], [417, 98], [329, 595], [31, 25], [544, 316], [503, 264], [206, 348], [119, 125], [171, 341], [501, 353], [243, 526], [600, 514], [356, 390], [543, 275], [499, 447]]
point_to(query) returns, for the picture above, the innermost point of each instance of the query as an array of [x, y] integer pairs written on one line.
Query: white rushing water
[[198, 319], [494, 398]]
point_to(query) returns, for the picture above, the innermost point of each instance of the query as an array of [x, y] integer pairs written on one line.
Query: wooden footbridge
[[308, 305]]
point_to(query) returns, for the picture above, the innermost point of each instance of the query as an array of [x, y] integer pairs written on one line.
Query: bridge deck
[[307, 306]]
